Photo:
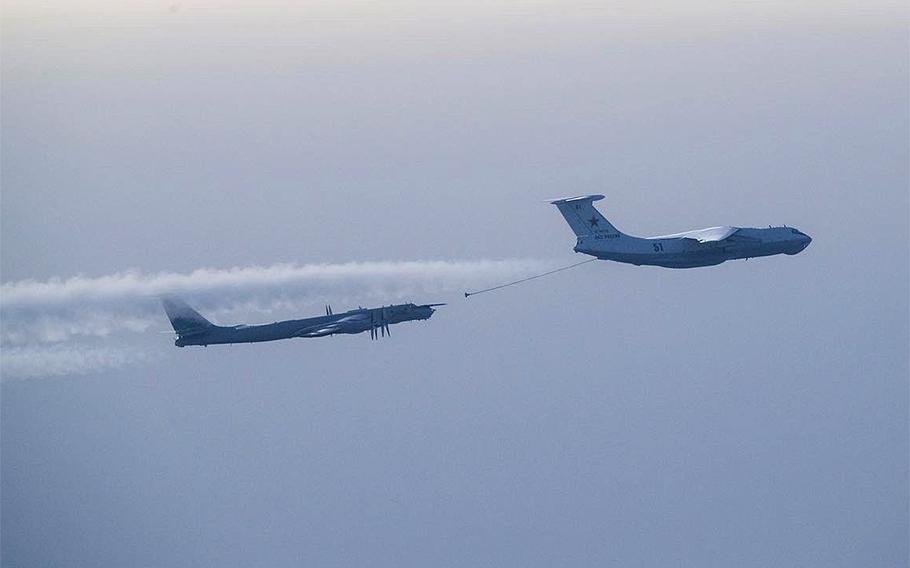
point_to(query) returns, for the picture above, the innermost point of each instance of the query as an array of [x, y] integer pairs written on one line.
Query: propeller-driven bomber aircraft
[[702, 247], [193, 329]]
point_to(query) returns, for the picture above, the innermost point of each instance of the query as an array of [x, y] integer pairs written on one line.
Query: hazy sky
[[270, 157]]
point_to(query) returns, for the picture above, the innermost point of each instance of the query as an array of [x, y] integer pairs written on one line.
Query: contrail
[[51, 328], [429, 275], [55, 310]]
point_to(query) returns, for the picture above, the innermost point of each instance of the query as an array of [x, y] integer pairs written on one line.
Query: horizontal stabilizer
[[592, 197]]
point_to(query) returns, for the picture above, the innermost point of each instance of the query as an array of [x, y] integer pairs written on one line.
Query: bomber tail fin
[[186, 320], [584, 219]]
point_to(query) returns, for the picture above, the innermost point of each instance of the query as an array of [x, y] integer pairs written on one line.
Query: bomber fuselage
[[354, 321]]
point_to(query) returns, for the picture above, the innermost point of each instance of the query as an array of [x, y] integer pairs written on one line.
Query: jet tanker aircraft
[[193, 329], [701, 247]]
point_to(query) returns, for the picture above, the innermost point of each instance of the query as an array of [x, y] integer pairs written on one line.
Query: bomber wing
[[327, 328], [709, 235], [318, 331]]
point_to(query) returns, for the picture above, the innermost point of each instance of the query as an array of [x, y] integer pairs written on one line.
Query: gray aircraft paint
[[701, 247], [750, 415], [193, 329]]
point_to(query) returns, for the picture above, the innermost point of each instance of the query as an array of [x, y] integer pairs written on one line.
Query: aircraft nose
[[806, 240]]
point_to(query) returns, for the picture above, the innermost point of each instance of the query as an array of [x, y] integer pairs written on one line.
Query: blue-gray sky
[[750, 414]]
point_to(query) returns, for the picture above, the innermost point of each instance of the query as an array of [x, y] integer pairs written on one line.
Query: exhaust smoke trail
[[353, 276], [37, 317]]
